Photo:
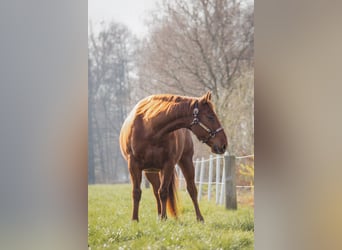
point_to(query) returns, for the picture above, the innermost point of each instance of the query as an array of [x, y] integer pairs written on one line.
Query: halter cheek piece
[[196, 121]]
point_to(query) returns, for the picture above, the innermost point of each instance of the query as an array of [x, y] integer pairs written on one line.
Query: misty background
[[184, 47]]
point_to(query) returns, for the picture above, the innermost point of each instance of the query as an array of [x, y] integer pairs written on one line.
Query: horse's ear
[[206, 98]]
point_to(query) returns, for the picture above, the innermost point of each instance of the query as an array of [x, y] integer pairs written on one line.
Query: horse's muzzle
[[219, 150]]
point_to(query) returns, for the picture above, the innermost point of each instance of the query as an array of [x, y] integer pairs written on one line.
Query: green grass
[[110, 225]]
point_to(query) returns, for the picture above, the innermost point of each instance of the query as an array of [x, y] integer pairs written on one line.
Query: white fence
[[215, 177]]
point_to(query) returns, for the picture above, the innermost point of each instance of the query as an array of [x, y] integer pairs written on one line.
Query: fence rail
[[220, 179]]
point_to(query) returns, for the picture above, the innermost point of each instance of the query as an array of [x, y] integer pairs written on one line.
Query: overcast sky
[[130, 12]]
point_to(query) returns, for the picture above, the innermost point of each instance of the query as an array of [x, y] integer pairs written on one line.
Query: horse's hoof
[[200, 219]]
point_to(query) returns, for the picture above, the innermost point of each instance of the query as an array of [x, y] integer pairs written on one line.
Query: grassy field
[[110, 227]]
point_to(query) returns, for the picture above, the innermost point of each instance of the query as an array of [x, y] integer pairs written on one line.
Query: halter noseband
[[196, 121]]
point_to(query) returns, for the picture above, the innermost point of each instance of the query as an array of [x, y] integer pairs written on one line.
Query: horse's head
[[206, 125]]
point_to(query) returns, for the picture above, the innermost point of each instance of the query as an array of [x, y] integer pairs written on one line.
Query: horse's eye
[[211, 118]]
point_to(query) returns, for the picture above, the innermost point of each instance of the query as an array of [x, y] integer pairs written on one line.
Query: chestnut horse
[[156, 136]]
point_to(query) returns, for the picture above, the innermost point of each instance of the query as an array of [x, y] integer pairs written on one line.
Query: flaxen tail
[[173, 197]]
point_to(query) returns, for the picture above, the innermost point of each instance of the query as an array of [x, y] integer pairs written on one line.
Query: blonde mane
[[154, 105]]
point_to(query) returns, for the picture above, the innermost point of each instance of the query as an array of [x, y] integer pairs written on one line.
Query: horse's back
[[132, 130], [125, 134]]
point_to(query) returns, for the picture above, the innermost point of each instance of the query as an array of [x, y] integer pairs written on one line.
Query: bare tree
[[202, 45], [91, 137], [110, 57]]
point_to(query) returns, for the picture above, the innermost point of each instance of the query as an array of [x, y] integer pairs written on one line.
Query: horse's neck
[[179, 117]]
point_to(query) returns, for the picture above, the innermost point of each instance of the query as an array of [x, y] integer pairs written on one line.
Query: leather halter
[[196, 121]]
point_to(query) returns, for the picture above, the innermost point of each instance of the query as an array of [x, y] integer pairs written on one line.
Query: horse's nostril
[[224, 147]]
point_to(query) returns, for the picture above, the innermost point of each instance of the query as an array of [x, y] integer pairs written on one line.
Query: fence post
[[210, 176], [231, 201], [223, 183], [217, 178], [201, 179], [196, 170], [146, 182], [179, 177]]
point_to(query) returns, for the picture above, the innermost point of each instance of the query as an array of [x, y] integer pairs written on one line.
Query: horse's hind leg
[[135, 173], [188, 170], [155, 181]]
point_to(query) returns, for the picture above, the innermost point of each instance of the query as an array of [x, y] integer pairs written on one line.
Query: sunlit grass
[[110, 227]]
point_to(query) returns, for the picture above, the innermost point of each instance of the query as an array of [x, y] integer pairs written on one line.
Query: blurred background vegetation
[[191, 47]]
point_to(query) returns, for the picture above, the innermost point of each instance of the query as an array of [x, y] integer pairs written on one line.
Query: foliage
[[109, 225], [110, 64], [191, 47], [248, 172], [194, 46]]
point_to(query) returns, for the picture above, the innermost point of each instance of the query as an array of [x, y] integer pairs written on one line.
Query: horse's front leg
[[188, 170], [135, 174], [166, 176]]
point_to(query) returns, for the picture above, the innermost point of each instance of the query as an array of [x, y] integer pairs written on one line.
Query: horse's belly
[[157, 156], [154, 157], [151, 157], [157, 153]]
